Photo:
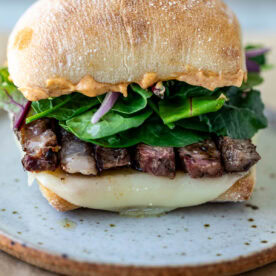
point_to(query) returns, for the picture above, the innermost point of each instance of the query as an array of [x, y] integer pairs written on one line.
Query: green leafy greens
[[62, 108], [112, 123], [240, 118], [187, 114], [137, 100], [11, 99], [191, 107]]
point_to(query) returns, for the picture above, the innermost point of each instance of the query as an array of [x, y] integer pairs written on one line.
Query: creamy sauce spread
[[148, 80], [60, 86], [90, 87], [126, 188]]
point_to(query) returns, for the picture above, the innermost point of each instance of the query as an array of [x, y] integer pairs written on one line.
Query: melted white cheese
[[126, 188]]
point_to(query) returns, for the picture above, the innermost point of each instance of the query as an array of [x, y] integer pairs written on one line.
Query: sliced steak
[[201, 159], [159, 161], [34, 164], [76, 156], [39, 141], [237, 155], [108, 158]]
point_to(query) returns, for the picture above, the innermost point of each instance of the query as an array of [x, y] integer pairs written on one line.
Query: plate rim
[[63, 264]]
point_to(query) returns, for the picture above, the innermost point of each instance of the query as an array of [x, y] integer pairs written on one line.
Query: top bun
[[61, 46]]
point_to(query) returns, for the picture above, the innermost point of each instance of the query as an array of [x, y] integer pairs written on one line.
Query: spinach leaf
[[136, 100], [110, 124], [253, 79], [178, 89], [240, 118], [172, 111], [155, 108], [185, 101], [44, 108], [153, 132], [193, 124], [11, 99], [62, 108]]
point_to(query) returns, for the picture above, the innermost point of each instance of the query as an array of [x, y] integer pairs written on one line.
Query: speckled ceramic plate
[[207, 240]]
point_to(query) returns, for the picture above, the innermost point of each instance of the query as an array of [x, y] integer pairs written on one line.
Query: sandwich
[[137, 107]]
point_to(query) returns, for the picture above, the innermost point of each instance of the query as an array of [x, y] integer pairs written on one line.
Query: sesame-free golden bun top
[[96, 46]]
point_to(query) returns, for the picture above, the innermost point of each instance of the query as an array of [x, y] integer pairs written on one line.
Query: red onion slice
[[12, 101], [252, 66], [21, 117], [109, 101], [24, 109], [256, 52]]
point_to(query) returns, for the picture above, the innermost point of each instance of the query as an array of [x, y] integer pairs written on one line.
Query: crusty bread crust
[[239, 192], [56, 201], [93, 47]]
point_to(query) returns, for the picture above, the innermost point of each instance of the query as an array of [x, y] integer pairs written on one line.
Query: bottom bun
[[123, 189], [56, 201]]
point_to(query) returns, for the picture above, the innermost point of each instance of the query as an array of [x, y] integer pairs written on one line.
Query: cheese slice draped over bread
[[125, 188]]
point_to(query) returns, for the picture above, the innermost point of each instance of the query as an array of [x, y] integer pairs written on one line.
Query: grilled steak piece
[[76, 156], [201, 159], [33, 164], [108, 158], [159, 161], [40, 143], [237, 155]]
